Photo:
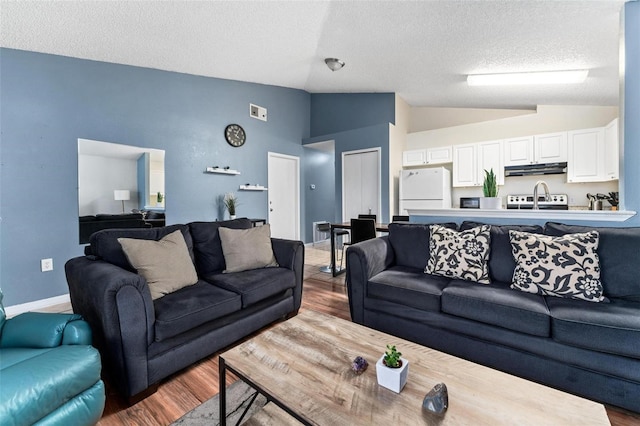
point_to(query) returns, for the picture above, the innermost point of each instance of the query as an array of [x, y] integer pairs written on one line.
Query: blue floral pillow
[[566, 266], [463, 255]]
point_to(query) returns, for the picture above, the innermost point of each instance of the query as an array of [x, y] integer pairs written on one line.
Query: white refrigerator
[[428, 188]]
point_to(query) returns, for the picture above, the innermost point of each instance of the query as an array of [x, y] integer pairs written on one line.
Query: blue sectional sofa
[[585, 348], [49, 372], [144, 340]]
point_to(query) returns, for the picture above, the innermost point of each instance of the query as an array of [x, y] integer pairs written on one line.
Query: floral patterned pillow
[[463, 255], [566, 266]]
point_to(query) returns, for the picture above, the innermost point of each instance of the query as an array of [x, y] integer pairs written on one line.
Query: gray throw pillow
[[246, 249], [165, 264], [463, 255], [566, 266]]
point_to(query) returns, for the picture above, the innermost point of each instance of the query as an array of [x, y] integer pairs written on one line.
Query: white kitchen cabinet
[[537, 149], [471, 160], [428, 156], [611, 149], [586, 155]]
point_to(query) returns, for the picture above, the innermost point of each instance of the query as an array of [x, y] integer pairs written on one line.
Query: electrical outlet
[[46, 265]]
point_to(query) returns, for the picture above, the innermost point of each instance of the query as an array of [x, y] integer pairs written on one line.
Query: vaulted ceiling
[[421, 50]]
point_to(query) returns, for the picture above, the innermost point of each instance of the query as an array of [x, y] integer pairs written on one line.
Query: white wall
[[547, 119], [397, 136], [98, 177]]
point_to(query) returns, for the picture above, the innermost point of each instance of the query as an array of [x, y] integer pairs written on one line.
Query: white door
[[490, 158], [361, 185], [284, 195]]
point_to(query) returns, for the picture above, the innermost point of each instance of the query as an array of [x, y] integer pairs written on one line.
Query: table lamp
[[122, 195]]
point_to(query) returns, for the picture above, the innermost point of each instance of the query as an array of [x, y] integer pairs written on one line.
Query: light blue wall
[[319, 171], [338, 112], [48, 102]]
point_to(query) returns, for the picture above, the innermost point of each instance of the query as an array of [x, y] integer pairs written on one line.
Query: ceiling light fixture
[[334, 64], [524, 78]]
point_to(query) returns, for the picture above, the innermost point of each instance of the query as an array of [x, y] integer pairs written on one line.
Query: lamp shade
[[121, 195]]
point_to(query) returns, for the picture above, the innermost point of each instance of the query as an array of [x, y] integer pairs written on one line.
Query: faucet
[[547, 195]]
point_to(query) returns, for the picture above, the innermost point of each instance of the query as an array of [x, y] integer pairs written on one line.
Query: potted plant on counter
[[490, 191], [230, 203], [392, 370]]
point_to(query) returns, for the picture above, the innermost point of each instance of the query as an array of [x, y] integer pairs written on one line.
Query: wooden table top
[[305, 362]]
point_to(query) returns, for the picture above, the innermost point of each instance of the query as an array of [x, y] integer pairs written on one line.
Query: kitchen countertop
[[572, 215]]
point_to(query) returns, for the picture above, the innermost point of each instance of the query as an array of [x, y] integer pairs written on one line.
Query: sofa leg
[[134, 399], [290, 315]]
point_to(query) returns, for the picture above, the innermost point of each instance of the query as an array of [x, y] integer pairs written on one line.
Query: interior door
[[284, 195], [360, 183]]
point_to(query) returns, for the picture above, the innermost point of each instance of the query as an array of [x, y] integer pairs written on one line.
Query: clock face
[[234, 134]]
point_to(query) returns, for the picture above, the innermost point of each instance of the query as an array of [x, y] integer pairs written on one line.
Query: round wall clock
[[235, 135]]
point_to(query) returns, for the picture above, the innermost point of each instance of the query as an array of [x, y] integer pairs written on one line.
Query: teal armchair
[[49, 372]]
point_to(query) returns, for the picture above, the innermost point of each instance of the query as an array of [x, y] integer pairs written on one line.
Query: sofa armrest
[[290, 254], [117, 305], [364, 260], [44, 330]]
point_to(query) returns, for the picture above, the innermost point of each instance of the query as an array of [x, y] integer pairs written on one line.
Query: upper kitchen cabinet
[[538, 149], [586, 162], [471, 160], [428, 156], [611, 149]]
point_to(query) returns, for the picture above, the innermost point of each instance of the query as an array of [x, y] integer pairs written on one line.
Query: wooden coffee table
[[303, 366]]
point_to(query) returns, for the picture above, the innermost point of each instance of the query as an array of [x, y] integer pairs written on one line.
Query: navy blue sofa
[[588, 349], [141, 340]]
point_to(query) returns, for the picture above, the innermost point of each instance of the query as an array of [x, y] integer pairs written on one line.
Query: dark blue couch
[[142, 340], [588, 349]]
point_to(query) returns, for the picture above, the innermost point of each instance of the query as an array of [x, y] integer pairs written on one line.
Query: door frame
[[271, 154], [361, 151]]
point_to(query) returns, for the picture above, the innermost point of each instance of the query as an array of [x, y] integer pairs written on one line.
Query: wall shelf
[[253, 188], [221, 171]]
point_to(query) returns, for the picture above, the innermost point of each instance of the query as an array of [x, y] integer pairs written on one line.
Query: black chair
[[400, 218], [361, 230], [368, 216]]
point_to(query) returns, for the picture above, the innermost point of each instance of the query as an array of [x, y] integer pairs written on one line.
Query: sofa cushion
[[247, 248], [207, 246], [410, 242], [165, 264], [501, 262], [565, 266], [612, 327], [463, 255], [192, 306], [105, 245], [255, 285], [408, 286], [617, 246], [498, 305]]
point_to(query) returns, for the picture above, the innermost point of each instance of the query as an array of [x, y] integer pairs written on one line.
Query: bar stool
[[325, 228]]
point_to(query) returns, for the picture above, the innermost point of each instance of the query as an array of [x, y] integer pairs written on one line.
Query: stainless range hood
[[536, 169]]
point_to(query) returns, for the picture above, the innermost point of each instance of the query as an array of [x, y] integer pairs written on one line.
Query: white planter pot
[[232, 216], [491, 203], [392, 378]]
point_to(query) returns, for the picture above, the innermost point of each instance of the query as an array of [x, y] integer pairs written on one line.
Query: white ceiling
[[421, 50]]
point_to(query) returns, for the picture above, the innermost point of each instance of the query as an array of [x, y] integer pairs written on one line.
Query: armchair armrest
[[117, 304], [364, 260], [290, 254], [44, 330]]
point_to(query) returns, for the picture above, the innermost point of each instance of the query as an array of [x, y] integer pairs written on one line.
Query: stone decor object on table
[[437, 400], [359, 365]]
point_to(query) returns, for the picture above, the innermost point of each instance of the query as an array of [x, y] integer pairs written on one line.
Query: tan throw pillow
[[165, 264], [566, 266], [245, 249], [463, 255]]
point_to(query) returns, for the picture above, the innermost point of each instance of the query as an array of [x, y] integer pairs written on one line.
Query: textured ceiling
[[421, 50]]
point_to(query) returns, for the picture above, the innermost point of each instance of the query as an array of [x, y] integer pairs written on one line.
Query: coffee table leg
[[222, 395]]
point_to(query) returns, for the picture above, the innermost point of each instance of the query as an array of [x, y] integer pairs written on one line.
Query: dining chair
[[368, 216], [397, 218], [361, 230]]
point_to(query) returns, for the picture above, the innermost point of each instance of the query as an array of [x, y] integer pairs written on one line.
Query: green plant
[[490, 185], [160, 197], [230, 202], [392, 357]]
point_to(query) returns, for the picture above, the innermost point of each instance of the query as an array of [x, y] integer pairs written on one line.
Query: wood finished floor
[[187, 389]]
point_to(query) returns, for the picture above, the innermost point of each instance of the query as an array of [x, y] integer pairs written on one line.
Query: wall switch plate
[[258, 112], [46, 265]]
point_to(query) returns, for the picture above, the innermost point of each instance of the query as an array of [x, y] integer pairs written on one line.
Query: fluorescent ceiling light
[[521, 78]]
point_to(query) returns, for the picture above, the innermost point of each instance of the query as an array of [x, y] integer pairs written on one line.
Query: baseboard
[[37, 305]]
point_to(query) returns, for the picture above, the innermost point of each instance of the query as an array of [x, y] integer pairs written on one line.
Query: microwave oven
[[469, 202]]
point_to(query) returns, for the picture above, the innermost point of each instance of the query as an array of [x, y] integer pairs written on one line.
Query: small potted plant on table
[[230, 203], [392, 370], [490, 191]]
